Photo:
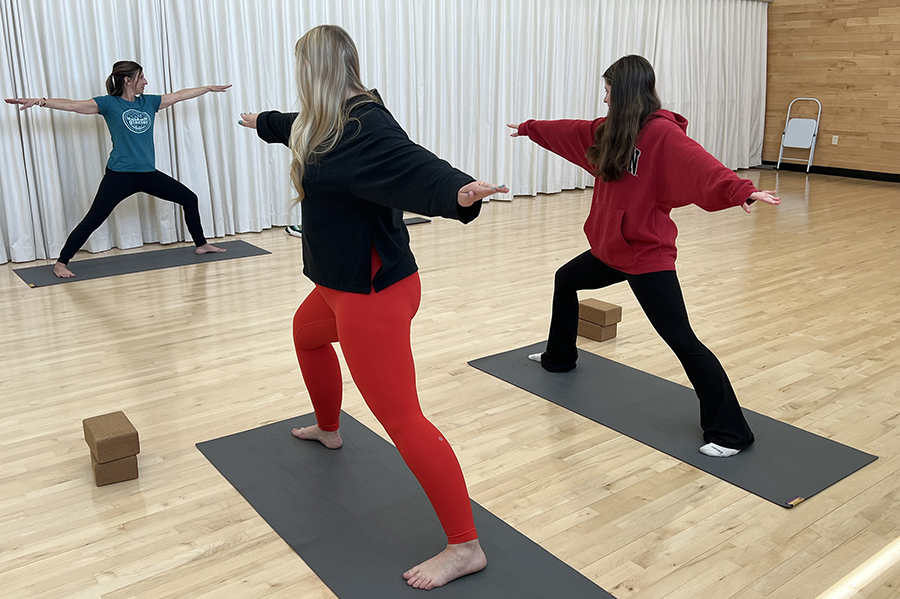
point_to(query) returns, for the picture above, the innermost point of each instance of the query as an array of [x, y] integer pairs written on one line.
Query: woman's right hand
[[515, 133], [248, 119], [24, 102], [768, 197]]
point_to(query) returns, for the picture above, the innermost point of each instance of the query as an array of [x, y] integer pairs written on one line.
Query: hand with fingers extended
[[24, 102], [478, 190], [767, 197], [248, 119], [515, 128]]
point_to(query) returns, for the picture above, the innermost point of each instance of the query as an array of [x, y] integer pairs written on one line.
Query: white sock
[[535, 357], [717, 451]]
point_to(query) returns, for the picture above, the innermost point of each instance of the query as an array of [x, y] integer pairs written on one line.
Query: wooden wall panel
[[846, 53]]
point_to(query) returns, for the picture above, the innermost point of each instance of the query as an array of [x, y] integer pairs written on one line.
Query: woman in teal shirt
[[131, 168]]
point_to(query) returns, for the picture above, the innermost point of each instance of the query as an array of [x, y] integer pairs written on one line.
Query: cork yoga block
[[599, 312], [115, 471], [596, 332], [111, 437]]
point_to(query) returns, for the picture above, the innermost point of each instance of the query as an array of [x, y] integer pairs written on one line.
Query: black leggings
[[659, 295], [117, 186]]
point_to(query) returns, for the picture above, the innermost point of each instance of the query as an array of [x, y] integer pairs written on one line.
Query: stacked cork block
[[597, 319], [114, 447]]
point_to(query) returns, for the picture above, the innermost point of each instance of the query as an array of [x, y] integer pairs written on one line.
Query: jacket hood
[[670, 116]]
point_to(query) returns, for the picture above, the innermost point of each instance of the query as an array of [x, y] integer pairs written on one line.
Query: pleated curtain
[[453, 73]]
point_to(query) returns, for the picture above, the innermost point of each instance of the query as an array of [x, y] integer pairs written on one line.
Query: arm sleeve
[[101, 102], [274, 126], [691, 175], [392, 171], [567, 138], [155, 101]]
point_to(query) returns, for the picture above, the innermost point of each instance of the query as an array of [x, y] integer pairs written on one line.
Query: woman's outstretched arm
[[565, 137], [79, 106], [271, 126], [187, 94]]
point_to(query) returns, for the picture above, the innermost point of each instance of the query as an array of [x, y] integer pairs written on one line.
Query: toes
[[413, 577], [418, 580]]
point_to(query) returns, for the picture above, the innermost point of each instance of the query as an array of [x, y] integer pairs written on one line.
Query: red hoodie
[[629, 227]]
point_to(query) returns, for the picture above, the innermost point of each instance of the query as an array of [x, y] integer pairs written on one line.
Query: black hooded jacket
[[355, 196]]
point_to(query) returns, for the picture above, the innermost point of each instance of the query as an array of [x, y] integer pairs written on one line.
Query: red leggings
[[373, 331]]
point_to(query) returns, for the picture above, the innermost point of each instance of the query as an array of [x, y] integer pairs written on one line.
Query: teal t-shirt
[[131, 128]]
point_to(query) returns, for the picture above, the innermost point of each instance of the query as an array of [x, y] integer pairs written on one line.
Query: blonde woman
[[355, 172], [130, 115]]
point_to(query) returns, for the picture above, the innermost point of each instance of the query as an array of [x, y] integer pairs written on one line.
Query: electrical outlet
[[834, 139]]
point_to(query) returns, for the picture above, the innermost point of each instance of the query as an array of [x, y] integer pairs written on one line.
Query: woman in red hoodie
[[645, 165]]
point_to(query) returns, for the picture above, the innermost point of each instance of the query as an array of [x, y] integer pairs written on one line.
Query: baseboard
[[837, 172]]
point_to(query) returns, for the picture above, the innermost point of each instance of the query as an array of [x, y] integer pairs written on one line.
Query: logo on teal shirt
[[136, 121]]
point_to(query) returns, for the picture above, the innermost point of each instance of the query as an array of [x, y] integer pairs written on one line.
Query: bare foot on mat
[[62, 271], [208, 248], [453, 562], [330, 439]]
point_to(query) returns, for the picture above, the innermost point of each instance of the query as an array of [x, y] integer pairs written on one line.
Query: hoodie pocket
[[614, 247]]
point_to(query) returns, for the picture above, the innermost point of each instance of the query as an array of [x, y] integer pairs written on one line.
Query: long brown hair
[[327, 67], [632, 99], [115, 83]]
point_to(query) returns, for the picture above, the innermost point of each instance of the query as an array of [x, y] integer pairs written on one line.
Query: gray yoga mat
[[786, 465], [359, 518], [109, 266]]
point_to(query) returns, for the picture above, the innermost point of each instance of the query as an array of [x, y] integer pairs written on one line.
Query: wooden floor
[[801, 303]]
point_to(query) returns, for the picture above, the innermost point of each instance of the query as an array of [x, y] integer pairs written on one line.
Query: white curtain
[[452, 72]]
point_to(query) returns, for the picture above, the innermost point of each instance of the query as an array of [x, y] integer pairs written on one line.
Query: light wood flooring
[[800, 302]]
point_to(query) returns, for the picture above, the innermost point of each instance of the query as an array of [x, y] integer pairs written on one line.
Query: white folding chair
[[800, 133]]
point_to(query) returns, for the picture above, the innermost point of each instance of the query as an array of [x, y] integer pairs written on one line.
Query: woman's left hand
[[767, 197], [248, 119], [219, 88], [478, 190]]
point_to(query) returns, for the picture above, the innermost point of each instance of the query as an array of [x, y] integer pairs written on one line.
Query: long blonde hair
[[327, 67]]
